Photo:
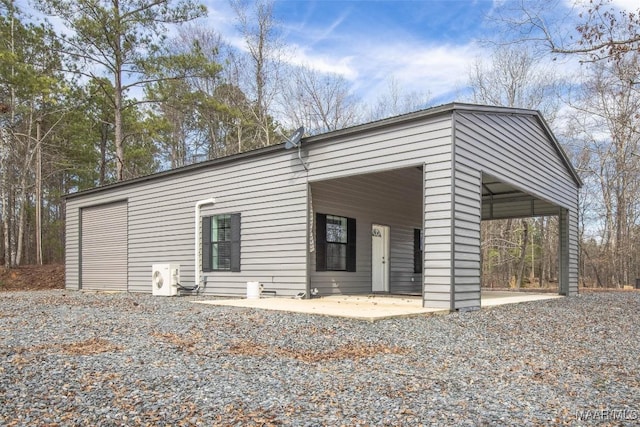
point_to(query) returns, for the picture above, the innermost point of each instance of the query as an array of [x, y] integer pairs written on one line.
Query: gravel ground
[[72, 358]]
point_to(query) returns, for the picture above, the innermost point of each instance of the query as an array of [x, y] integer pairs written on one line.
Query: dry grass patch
[[98, 380], [350, 351], [241, 416], [185, 342], [89, 347]]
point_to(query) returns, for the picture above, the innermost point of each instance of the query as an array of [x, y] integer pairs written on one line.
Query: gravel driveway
[[71, 358]]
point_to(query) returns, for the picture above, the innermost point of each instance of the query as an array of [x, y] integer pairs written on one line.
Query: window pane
[[214, 255], [221, 242], [336, 229], [224, 250], [336, 256], [214, 229]]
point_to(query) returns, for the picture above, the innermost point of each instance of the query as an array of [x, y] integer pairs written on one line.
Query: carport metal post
[[563, 252]]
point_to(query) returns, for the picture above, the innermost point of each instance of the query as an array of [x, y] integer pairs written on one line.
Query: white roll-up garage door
[[104, 247]]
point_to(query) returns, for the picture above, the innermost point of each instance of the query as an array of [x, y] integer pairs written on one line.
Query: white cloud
[[338, 64], [368, 60], [429, 68], [628, 5], [319, 34], [436, 68]]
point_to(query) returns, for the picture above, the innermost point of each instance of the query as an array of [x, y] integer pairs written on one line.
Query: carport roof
[[495, 193]]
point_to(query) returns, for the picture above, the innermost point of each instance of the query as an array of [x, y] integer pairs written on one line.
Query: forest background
[[98, 91]]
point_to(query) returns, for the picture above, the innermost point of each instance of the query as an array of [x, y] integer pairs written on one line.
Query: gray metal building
[[391, 206]]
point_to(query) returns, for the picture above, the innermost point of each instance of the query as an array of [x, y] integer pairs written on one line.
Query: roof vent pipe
[[198, 267]]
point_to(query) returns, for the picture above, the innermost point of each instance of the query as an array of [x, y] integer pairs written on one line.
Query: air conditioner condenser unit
[[165, 279]]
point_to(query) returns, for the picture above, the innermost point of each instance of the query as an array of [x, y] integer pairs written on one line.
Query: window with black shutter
[[335, 243], [221, 242]]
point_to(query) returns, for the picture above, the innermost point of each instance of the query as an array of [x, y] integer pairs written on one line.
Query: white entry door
[[379, 258]]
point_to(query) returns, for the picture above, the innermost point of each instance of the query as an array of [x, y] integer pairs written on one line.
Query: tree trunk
[[6, 225], [505, 253], [38, 194], [118, 131], [532, 272], [523, 252], [6, 176], [22, 217], [543, 246], [104, 137], [119, 93]]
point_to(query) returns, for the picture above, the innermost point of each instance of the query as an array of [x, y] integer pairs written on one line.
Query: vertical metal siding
[[515, 150], [104, 247]]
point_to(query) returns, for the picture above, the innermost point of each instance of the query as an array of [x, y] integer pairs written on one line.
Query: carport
[[492, 163]]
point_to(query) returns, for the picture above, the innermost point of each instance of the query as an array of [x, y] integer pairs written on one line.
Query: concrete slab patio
[[369, 307]]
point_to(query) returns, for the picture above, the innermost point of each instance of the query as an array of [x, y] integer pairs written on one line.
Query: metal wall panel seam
[[454, 125]]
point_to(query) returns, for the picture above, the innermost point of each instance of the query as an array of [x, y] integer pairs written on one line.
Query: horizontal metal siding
[[438, 223], [467, 218], [392, 198], [104, 247], [269, 192], [573, 252], [72, 246], [516, 150], [392, 148], [569, 252], [427, 141], [272, 219]]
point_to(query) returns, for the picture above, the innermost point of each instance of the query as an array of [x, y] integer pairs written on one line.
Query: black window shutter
[[321, 242], [235, 242], [206, 243], [417, 251], [351, 244]]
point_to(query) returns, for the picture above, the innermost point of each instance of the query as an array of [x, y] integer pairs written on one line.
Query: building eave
[[344, 133]]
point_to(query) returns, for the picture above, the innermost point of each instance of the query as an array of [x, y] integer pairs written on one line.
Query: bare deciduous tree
[[397, 101], [605, 122], [258, 71], [514, 78], [320, 102]]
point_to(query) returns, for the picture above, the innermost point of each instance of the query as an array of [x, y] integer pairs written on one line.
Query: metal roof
[[349, 132]]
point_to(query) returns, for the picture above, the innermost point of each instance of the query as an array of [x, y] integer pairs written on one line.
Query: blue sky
[[426, 46]]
